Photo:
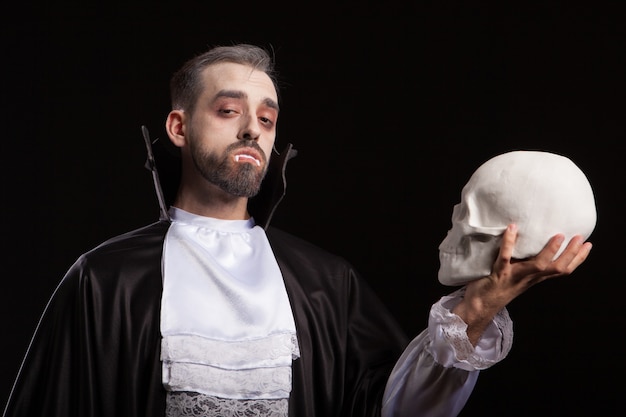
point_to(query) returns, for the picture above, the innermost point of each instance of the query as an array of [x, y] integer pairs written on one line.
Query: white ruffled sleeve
[[449, 343], [438, 370]]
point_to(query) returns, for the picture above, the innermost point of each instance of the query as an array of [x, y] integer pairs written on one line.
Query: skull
[[541, 192]]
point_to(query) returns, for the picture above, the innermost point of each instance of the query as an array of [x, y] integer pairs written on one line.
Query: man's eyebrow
[[231, 94], [236, 94], [271, 104]]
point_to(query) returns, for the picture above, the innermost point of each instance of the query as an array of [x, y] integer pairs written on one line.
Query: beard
[[238, 179]]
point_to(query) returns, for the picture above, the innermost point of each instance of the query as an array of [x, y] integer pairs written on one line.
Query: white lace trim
[[274, 350], [186, 404], [249, 369], [448, 326], [253, 383]]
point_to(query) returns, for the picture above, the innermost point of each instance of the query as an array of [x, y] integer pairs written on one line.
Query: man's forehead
[[228, 76]]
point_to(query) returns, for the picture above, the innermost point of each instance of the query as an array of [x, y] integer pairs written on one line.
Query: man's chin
[[245, 185]]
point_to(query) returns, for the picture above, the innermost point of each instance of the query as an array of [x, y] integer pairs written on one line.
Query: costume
[[96, 350]]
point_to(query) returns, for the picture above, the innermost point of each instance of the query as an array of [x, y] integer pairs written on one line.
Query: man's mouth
[[247, 158]]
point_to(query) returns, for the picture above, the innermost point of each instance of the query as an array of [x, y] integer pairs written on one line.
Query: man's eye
[[266, 120]]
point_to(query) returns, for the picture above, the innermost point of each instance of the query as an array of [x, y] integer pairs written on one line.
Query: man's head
[[187, 83], [223, 118], [541, 192]]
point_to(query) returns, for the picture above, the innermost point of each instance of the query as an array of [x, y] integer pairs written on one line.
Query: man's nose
[[249, 129]]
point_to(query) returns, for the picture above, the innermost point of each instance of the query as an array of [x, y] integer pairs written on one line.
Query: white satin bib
[[227, 325]]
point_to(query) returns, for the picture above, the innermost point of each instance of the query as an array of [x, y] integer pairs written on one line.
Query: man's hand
[[509, 278]]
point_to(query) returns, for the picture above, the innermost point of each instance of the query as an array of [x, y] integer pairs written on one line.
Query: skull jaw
[[457, 270]]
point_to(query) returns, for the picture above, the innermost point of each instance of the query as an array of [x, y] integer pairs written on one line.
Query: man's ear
[[175, 127]]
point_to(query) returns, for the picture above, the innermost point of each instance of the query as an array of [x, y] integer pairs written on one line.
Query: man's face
[[232, 129]]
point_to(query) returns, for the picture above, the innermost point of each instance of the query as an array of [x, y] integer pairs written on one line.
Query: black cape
[[96, 349]]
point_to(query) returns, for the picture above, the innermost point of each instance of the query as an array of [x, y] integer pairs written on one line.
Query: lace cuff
[[450, 345]]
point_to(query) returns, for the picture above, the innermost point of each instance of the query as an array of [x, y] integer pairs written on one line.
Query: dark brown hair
[[186, 83]]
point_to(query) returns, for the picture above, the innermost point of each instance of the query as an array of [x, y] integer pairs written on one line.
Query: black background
[[391, 106]]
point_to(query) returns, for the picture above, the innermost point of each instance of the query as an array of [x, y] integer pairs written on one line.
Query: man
[[212, 312]]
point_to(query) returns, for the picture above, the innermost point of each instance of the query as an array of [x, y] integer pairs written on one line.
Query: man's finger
[[508, 242]]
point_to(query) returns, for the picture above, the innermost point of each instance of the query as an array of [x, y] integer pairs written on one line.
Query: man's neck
[[213, 203]]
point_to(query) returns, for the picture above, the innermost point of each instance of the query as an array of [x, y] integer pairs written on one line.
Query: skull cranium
[[541, 192]]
